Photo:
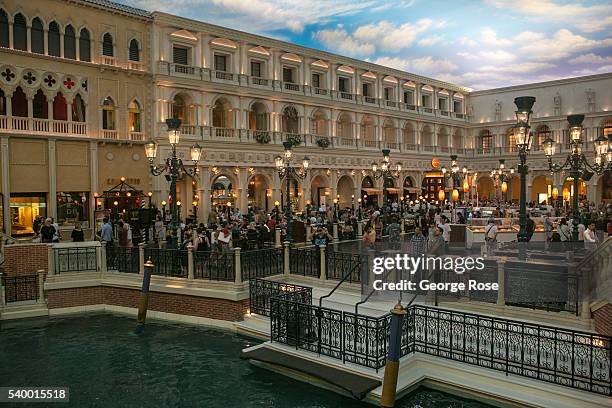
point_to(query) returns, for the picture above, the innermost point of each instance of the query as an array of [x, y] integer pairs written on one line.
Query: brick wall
[[603, 319], [220, 309], [25, 259]]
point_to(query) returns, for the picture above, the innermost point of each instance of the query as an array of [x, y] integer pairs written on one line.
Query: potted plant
[[323, 142], [294, 139], [262, 136]]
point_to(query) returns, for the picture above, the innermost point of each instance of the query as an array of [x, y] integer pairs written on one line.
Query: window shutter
[[179, 55]]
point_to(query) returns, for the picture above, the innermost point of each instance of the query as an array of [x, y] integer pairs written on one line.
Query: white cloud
[[499, 56], [489, 36], [429, 41], [467, 41], [588, 18], [561, 45], [342, 42], [591, 59], [522, 68], [424, 65]]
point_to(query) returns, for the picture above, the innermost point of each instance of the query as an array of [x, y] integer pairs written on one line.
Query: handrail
[[590, 256], [339, 283], [370, 294]]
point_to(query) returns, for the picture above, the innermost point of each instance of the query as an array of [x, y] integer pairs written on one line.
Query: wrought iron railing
[[20, 288], [261, 263], [572, 358], [305, 261], [123, 259], [76, 259], [338, 263], [261, 291], [217, 266], [168, 262]]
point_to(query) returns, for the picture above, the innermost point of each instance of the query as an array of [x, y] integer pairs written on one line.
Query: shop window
[[60, 108], [25, 207], [40, 106], [72, 207], [4, 29], [19, 103], [107, 45], [134, 53], [108, 114], [84, 46], [54, 39], [37, 41], [78, 109], [69, 43], [134, 109], [20, 33]]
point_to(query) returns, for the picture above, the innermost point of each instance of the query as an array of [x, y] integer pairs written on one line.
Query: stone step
[[22, 311]]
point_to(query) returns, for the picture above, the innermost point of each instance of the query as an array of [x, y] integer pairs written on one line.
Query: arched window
[[60, 108], [485, 140], [179, 109], [19, 103], [222, 114], [511, 140], [2, 103], [134, 109], [37, 40], [4, 29], [84, 46], [108, 114], [344, 130], [78, 109], [542, 133], [69, 43], [107, 45], [54, 39], [258, 117], [39, 106], [20, 33], [134, 53], [290, 120]]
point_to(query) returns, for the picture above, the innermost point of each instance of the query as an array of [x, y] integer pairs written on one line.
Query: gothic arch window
[[258, 117], [69, 43], [2, 103], [37, 38], [134, 109], [84, 45], [54, 39], [60, 108], [4, 29], [108, 114], [179, 109], [134, 53], [107, 45], [20, 33], [78, 109], [40, 106], [222, 114], [290, 120], [19, 103]]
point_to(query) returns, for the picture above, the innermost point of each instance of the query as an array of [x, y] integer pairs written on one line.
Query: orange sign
[[435, 163]]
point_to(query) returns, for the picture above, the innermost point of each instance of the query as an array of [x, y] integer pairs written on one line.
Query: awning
[[372, 191], [393, 190], [412, 189]]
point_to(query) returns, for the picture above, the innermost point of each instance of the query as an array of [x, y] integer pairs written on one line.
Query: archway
[[427, 138], [346, 191], [458, 139], [222, 192], [290, 122], [320, 191], [369, 194], [259, 193], [567, 191], [409, 134], [486, 188], [391, 193], [389, 134], [318, 123], [443, 139], [295, 192], [258, 117], [344, 130], [409, 188], [222, 114], [541, 189], [368, 131]]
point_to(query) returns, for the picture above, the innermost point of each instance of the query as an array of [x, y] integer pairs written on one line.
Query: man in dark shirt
[[47, 232]]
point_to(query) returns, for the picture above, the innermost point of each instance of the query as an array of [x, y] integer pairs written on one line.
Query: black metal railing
[[337, 263], [168, 262], [261, 291], [217, 266], [261, 263], [123, 259], [305, 261], [572, 358], [76, 259], [20, 288]]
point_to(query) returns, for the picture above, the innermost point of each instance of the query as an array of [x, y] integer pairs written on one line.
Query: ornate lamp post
[[576, 162], [175, 169], [386, 170], [501, 176], [288, 172], [522, 137]]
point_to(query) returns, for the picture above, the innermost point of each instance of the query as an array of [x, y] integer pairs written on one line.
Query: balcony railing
[[346, 95], [290, 86], [409, 107], [136, 136], [223, 133], [443, 113], [260, 81], [136, 66], [426, 110], [44, 126], [411, 146], [109, 134], [369, 99], [225, 76], [370, 143], [108, 60], [391, 104], [184, 69], [345, 141], [320, 91], [392, 145]]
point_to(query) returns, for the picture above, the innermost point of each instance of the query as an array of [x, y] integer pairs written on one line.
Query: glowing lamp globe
[[555, 193], [441, 195], [466, 186], [504, 187], [455, 195]]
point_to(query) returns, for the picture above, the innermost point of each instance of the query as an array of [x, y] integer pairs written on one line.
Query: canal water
[[169, 365]]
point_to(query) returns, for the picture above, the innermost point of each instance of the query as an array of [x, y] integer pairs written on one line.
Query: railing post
[[323, 263], [41, 285], [402, 226], [308, 233], [277, 237], [237, 267], [190, 263], [141, 258], [51, 260], [286, 266], [2, 300], [335, 231], [501, 281], [103, 250]]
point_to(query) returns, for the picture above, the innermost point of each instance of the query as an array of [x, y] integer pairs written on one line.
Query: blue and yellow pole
[[144, 295], [387, 400]]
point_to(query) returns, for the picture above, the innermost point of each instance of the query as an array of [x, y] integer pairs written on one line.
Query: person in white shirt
[[446, 229], [590, 237], [581, 230], [491, 236]]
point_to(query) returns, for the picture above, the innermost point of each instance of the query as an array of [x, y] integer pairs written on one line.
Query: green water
[[106, 365]]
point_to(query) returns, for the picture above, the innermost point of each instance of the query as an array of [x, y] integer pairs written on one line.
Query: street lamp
[[174, 167], [577, 163], [502, 176], [288, 172], [386, 170], [522, 136]]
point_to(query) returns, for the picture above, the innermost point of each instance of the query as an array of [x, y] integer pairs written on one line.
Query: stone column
[[237, 267], [51, 204], [6, 183], [323, 264]]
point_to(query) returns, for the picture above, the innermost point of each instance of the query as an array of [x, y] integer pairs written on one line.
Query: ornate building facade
[[81, 93]]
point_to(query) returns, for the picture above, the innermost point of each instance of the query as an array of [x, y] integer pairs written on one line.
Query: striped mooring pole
[[387, 400], [144, 295]]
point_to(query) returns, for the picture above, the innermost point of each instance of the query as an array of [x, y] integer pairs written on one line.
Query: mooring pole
[[144, 295], [387, 399]]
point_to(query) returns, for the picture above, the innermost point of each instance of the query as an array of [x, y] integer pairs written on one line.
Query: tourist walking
[[491, 237], [77, 234]]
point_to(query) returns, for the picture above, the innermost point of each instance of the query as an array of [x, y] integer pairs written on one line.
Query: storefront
[[25, 207], [433, 183], [72, 208]]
